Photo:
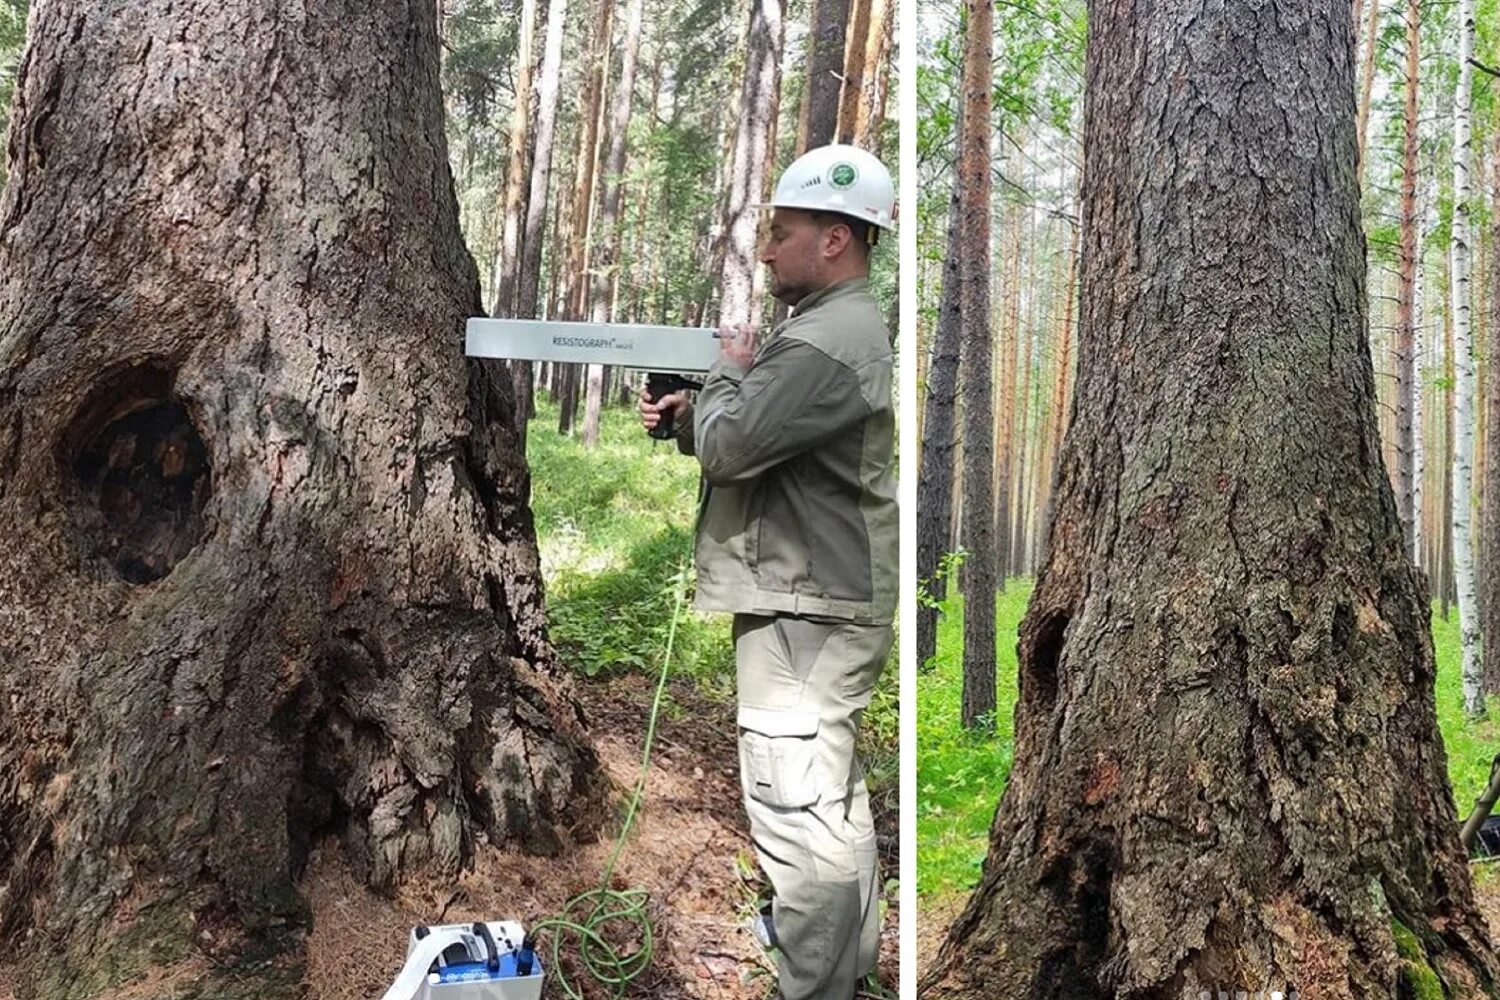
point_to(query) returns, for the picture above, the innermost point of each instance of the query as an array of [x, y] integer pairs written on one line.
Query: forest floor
[[961, 774]]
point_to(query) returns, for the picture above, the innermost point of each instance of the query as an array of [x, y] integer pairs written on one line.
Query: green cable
[[585, 914]]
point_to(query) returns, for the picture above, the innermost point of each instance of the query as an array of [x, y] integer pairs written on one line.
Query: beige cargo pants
[[802, 687]]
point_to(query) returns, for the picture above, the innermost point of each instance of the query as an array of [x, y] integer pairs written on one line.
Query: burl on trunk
[[268, 569]]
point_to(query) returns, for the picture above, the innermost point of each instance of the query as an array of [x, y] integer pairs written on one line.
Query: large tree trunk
[[1463, 382], [751, 161], [860, 108], [608, 231], [978, 368], [935, 464], [270, 573], [1228, 773]]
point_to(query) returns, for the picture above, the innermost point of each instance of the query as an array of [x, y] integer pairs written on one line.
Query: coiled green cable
[[586, 914]]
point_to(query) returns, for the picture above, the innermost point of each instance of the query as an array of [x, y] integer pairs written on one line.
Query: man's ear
[[837, 238]]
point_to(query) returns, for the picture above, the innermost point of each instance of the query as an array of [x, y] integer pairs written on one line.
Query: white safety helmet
[[838, 178]]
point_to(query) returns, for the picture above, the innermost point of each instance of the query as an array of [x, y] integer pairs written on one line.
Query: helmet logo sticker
[[843, 175]]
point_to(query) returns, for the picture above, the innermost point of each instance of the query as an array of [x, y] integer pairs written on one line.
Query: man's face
[[793, 252]]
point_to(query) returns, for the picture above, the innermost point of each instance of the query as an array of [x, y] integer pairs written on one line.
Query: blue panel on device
[[478, 972]]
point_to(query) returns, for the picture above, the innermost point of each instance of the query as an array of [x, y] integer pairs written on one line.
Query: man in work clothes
[[798, 538]]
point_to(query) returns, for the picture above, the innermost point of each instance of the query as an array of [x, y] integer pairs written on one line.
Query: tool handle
[[659, 384]]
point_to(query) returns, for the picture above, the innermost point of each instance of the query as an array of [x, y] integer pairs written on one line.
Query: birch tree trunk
[[608, 231], [1228, 772], [1463, 373], [270, 575], [1490, 510], [978, 368]]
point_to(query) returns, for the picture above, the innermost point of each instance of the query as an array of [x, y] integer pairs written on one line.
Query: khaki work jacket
[[798, 514]]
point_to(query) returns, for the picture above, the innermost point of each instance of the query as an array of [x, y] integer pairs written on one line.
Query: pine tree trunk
[[508, 262], [608, 231], [590, 111], [818, 115], [861, 111], [936, 464], [1405, 440], [1005, 418], [1228, 772], [1489, 581], [978, 369], [751, 161], [270, 574], [1060, 387], [1367, 89], [1463, 384]]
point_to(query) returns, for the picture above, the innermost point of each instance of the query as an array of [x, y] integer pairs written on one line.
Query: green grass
[[960, 775], [614, 524]]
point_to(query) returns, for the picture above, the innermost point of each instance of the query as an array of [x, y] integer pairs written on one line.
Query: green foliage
[[12, 41], [614, 524], [960, 773]]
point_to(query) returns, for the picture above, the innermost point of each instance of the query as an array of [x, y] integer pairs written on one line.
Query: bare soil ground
[[689, 849]]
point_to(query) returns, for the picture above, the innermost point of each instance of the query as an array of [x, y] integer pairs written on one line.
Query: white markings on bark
[[1463, 371]]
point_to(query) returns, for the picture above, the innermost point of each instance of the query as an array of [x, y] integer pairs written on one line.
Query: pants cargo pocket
[[778, 759]]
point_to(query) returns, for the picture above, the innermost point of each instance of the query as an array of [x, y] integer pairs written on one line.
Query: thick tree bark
[[818, 115], [978, 368], [936, 463], [270, 573], [1228, 773], [608, 231], [750, 162], [1463, 382]]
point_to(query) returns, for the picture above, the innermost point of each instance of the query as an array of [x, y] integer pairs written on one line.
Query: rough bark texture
[[608, 231], [978, 368], [940, 416], [861, 111], [270, 573], [1228, 770], [751, 161], [818, 116]]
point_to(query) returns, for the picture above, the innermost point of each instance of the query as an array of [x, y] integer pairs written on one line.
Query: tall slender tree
[[1405, 443], [1463, 369], [608, 231], [818, 115], [1228, 771], [978, 369]]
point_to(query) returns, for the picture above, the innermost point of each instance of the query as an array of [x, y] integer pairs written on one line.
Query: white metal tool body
[[629, 345], [479, 961]]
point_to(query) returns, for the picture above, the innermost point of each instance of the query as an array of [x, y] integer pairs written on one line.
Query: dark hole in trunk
[[143, 474]]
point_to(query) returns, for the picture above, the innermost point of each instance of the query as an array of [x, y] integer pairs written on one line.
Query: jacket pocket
[[778, 756]]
